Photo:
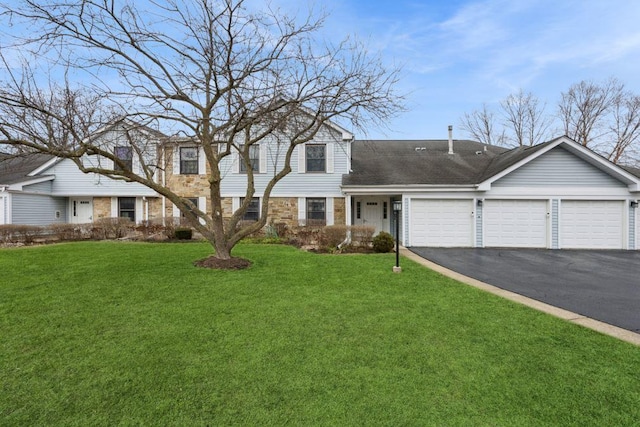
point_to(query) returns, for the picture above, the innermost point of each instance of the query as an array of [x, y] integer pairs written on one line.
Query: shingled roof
[[398, 162], [16, 168]]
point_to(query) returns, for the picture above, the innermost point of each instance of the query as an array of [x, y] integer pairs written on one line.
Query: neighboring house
[[555, 195]]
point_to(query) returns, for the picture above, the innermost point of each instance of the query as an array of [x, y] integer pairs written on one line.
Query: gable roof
[[18, 168], [416, 162], [428, 163]]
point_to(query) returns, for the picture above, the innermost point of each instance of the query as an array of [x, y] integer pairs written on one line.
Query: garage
[[515, 223], [592, 224], [441, 223]]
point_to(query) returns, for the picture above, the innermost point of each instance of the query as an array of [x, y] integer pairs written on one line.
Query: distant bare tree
[[228, 76], [625, 126], [583, 109], [525, 117], [481, 126]]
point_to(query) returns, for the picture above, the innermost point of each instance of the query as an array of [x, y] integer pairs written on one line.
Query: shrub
[[362, 235], [332, 235], [112, 228], [383, 242], [14, 233], [67, 232], [183, 233]]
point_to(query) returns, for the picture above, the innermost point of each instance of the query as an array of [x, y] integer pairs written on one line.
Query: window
[[193, 200], [127, 208], [253, 210], [254, 159], [316, 211], [316, 158], [188, 160], [125, 157]]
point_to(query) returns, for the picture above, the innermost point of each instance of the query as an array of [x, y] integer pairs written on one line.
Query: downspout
[[347, 210]]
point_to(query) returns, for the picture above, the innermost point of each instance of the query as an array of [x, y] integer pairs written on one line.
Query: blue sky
[[457, 54]]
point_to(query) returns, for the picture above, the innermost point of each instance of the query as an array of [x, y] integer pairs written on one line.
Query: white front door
[[370, 211], [81, 211]]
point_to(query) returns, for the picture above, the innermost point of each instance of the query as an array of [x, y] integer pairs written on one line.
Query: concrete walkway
[[596, 325]]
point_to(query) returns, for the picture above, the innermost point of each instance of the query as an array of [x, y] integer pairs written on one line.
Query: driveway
[[603, 285]]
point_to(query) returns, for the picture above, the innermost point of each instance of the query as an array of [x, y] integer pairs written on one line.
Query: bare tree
[[524, 116], [226, 76], [480, 125], [584, 107], [625, 126]]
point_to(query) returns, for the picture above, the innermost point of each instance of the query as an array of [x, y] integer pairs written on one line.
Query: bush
[[182, 233], [68, 232], [14, 233], [383, 242], [362, 235], [112, 228], [332, 235]]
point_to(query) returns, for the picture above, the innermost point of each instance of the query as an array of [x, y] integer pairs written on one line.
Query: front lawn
[[106, 333]]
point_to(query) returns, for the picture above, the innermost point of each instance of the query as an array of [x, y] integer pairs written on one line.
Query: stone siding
[[101, 208]]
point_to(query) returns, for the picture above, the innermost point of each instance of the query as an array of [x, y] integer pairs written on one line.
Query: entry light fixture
[[479, 203], [634, 204]]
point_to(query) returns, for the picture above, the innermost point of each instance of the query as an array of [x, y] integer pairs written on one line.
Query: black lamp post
[[397, 207]]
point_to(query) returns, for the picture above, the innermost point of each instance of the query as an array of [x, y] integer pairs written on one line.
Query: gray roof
[[16, 168], [394, 162]]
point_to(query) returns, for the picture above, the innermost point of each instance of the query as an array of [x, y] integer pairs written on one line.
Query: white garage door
[[442, 223], [515, 223], [588, 224]]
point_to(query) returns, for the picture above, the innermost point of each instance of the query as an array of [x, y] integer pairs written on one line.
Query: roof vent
[[478, 153]]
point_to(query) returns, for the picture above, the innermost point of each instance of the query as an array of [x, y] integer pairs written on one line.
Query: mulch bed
[[232, 263]]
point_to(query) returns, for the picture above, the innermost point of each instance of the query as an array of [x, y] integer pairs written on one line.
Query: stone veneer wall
[[339, 211], [101, 208]]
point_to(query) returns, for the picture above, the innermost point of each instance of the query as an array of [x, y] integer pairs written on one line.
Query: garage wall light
[[634, 204], [479, 202]]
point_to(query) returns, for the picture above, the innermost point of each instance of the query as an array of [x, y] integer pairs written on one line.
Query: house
[[554, 195], [454, 193]]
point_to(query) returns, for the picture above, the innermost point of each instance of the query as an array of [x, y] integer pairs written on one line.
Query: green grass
[[132, 334]]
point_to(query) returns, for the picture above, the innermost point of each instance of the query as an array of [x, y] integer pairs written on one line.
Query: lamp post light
[[397, 207]]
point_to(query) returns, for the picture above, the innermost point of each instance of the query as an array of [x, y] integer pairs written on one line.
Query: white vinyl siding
[[515, 223], [70, 181], [33, 209], [315, 184], [558, 168], [441, 223], [591, 224]]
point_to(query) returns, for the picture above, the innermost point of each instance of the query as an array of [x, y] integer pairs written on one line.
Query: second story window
[[316, 158], [188, 160], [254, 159], [125, 158]]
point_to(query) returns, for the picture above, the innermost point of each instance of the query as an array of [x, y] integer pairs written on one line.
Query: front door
[[81, 211], [371, 212]]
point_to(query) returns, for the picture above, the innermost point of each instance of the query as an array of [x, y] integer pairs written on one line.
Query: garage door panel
[[515, 223], [592, 224], [442, 223]]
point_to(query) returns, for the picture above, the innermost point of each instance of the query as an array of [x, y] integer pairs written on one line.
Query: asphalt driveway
[[603, 285]]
